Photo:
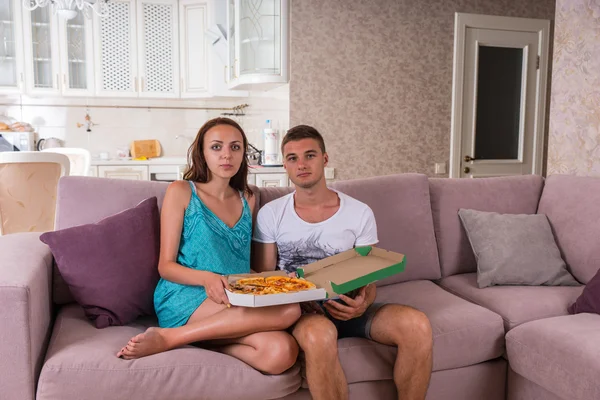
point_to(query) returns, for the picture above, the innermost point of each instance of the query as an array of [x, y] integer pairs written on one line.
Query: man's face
[[304, 162]]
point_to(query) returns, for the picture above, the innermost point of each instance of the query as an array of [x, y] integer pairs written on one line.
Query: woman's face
[[223, 150]]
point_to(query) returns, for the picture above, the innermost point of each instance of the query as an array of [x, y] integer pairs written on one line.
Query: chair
[[28, 184], [80, 159]]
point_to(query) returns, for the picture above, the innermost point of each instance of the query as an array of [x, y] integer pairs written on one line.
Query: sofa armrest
[[25, 312]]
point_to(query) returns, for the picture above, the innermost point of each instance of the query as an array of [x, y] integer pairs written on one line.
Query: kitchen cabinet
[[131, 172], [136, 49], [76, 56], [12, 72], [42, 66], [258, 43], [194, 19], [58, 57], [271, 180]]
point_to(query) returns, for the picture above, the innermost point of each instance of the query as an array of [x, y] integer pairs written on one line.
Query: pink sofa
[[493, 343]]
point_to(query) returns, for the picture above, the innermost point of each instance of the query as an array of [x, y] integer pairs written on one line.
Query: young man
[[315, 222]]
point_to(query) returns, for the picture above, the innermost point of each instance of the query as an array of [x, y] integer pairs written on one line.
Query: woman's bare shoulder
[[180, 191]]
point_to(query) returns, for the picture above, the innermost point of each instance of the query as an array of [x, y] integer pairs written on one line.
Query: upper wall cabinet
[[137, 49], [58, 58], [12, 75], [146, 48], [258, 33]]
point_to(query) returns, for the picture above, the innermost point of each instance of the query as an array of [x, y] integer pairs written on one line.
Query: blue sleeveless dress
[[206, 244]]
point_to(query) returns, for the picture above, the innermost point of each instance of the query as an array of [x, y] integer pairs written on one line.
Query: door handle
[[467, 170], [469, 158]]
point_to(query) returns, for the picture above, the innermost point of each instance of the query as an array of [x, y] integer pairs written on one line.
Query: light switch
[[440, 168], [329, 173]]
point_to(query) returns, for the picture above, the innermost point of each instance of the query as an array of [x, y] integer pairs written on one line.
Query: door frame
[[462, 21]]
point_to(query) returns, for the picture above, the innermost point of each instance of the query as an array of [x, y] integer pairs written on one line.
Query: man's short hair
[[300, 132]]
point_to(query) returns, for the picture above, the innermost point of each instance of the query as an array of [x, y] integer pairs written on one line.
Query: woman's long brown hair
[[197, 169]]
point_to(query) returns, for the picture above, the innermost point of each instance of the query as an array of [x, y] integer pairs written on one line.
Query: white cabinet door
[[76, 56], [271, 180], [158, 48], [133, 172], [12, 77], [115, 51], [42, 67], [251, 179], [93, 171], [194, 61], [259, 49]]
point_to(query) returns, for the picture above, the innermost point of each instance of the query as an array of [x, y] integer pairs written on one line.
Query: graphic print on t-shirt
[[298, 253]]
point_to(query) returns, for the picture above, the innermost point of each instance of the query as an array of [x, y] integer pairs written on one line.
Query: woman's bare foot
[[150, 342]]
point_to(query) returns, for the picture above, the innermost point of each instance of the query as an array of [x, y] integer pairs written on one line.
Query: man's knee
[[316, 334], [279, 354], [408, 325]]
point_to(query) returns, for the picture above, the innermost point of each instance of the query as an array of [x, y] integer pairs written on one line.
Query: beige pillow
[[514, 249]]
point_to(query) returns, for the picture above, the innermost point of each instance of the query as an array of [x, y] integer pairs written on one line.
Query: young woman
[[206, 230]]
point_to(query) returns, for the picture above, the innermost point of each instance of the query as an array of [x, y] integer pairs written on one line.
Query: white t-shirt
[[300, 242]]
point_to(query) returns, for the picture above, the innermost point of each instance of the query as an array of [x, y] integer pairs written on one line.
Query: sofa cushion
[[516, 304], [81, 363], [514, 249], [589, 301], [571, 204], [561, 354], [403, 214], [86, 200], [111, 267], [464, 334], [506, 195]]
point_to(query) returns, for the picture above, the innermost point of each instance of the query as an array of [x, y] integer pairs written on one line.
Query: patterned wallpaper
[[574, 132], [375, 77]]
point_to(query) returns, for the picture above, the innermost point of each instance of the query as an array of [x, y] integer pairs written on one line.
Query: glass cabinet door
[[232, 23], [76, 55], [260, 37], [42, 50], [11, 58]]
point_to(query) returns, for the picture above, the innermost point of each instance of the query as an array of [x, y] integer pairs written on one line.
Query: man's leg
[[317, 337], [410, 331]]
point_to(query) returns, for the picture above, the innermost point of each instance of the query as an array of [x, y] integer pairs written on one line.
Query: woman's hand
[[215, 285]]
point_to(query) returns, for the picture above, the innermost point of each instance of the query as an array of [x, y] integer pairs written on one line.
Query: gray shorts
[[356, 327]]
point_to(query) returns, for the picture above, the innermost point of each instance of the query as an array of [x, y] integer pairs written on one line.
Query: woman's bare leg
[[212, 321], [269, 352]]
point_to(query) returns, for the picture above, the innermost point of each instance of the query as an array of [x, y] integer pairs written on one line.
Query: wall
[[574, 132], [375, 77], [117, 127]]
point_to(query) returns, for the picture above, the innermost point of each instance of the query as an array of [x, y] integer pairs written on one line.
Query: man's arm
[[264, 256]]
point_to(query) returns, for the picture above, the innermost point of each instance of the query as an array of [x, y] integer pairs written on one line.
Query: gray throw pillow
[[515, 249]]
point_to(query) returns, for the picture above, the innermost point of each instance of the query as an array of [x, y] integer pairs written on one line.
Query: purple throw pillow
[[589, 300], [111, 266]]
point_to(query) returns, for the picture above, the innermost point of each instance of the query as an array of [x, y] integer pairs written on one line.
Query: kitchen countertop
[[175, 161]]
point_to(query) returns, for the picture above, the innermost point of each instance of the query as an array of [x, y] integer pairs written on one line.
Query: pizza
[[270, 285]]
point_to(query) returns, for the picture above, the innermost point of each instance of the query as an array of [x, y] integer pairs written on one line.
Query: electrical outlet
[[329, 173], [440, 168]]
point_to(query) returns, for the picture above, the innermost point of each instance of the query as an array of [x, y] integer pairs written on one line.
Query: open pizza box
[[335, 275]]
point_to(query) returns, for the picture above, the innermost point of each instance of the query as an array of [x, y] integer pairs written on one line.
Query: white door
[[41, 51], [76, 56], [194, 17], [158, 48], [12, 77], [115, 51], [498, 96]]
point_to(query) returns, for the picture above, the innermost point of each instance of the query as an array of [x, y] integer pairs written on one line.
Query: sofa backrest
[[572, 205], [506, 195], [403, 214]]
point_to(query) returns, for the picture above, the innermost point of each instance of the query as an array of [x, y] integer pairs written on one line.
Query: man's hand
[[354, 308]]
